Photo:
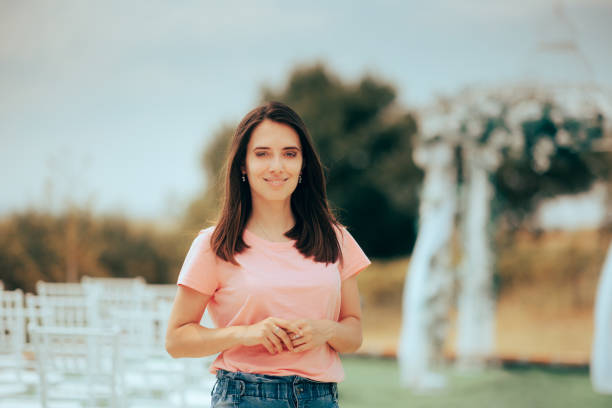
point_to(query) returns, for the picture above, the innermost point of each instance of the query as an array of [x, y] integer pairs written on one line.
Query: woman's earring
[[300, 178], [243, 178]]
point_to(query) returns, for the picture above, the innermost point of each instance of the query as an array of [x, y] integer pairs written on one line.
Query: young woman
[[277, 273]]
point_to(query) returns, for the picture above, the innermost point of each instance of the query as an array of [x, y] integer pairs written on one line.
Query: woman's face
[[273, 161]]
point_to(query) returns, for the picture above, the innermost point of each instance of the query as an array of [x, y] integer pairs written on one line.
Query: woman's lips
[[276, 181]]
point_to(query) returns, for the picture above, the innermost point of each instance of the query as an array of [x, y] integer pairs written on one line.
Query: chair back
[[12, 323], [85, 359]]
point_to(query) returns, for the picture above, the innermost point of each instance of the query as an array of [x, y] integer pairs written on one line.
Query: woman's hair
[[314, 221]]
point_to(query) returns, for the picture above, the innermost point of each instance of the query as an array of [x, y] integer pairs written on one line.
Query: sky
[[110, 104]]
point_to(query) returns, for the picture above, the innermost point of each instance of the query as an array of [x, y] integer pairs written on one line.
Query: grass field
[[372, 382]]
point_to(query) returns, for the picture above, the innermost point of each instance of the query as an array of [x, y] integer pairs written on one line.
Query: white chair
[[114, 284], [35, 315], [131, 306], [69, 311], [139, 313], [184, 382], [63, 289], [12, 333], [116, 294], [62, 311], [162, 292], [86, 359], [58, 308]]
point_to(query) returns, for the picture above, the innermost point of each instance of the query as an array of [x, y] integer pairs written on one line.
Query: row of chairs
[[100, 342]]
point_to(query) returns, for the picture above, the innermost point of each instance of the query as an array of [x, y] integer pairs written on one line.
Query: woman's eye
[[287, 154]]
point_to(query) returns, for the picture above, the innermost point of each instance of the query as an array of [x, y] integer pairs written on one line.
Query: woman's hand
[[311, 334], [271, 333]]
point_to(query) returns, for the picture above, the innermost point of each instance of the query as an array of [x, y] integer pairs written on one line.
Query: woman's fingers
[[281, 334], [273, 338], [297, 336], [268, 345], [288, 326], [298, 342], [278, 333], [303, 347]]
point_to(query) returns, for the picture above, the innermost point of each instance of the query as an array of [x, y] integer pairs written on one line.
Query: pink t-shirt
[[274, 280]]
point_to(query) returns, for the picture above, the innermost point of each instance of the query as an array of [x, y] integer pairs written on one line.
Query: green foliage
[[573, 165], [365, 141], [36, 246]]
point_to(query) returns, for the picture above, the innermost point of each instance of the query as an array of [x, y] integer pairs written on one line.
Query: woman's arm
[[345, 335], [186, 338]]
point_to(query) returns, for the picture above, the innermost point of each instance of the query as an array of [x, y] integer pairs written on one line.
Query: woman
[[277, 273]]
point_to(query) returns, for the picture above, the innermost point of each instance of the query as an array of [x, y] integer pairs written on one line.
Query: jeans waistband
[[274, 387]]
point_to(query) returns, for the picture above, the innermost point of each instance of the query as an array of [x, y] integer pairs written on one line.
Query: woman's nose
[[276, 163]]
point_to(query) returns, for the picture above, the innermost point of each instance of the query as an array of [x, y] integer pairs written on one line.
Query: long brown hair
[[314, 221]]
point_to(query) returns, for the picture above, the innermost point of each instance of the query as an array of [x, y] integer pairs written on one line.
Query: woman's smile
[[274, 182]]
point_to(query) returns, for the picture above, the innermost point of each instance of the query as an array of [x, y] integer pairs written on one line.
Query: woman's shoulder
[[340, 231], [345, 238], [202, 240], [207, 231]]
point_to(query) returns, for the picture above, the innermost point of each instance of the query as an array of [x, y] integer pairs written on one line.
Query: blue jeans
[[243, 390]]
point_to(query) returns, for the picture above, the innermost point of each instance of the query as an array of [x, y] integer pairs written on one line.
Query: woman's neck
[[271, 219]]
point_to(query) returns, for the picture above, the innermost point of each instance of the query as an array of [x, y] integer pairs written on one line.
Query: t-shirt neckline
[[262, 241]]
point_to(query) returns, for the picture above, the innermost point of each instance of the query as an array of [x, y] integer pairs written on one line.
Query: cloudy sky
[[110, 103]]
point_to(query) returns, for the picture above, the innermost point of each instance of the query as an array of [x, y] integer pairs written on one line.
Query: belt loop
[[242, 387], [224, 384], [335, 391], [283, 390]]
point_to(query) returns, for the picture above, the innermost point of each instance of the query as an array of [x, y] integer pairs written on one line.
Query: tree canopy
[[568, 165]]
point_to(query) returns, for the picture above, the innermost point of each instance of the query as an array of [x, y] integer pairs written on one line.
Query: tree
[[557, 158], [41, 246], [364, 139]]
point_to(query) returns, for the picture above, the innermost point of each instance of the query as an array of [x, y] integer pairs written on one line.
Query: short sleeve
[[199, 268], [354, 260]]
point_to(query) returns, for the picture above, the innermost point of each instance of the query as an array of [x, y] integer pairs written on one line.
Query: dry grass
[[544, 310]]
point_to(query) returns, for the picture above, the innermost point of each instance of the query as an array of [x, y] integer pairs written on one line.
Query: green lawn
[[373, 382]]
